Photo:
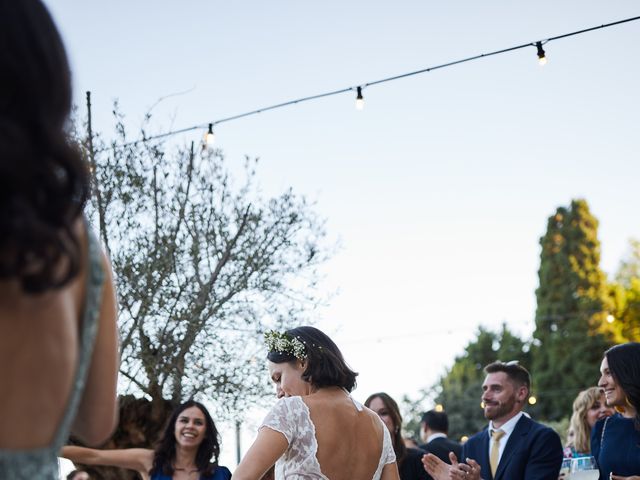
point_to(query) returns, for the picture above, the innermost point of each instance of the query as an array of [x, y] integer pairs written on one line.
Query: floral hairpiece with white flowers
[[285, 343]]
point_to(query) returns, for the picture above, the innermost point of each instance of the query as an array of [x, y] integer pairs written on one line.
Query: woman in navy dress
[[188, 444], [615, 441]]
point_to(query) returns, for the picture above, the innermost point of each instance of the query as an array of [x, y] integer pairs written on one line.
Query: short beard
[[501, 410]]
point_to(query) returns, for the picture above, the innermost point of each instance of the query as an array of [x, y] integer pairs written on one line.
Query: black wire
[[369, 84]]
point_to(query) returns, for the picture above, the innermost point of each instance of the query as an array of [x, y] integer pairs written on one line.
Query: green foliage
[[561, 427], [625, 294], [573, 303], [629, 268]]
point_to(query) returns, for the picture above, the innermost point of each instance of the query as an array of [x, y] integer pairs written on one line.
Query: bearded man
[[513, 446]]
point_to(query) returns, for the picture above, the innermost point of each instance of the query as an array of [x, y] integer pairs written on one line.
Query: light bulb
[[359, 99], [210, 137], [542, 59]]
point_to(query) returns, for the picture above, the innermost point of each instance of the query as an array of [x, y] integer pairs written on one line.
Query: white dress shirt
[[433, 436]]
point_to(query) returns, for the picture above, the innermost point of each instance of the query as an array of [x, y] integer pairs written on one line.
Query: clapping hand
[[440, 470]]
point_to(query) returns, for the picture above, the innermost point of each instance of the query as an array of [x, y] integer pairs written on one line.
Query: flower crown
[[285, 343]]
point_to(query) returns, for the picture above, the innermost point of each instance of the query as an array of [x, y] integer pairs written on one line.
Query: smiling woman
[[189, 442], [615, 441]]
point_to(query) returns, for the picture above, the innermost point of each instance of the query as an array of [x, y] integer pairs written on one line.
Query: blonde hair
[[579, 435]]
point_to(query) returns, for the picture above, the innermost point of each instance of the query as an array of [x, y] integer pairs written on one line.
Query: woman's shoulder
[[614, 420], [289, 405]]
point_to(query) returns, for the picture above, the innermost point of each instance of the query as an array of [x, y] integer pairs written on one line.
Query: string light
[[542, 59], [360, 100], [210, 137]]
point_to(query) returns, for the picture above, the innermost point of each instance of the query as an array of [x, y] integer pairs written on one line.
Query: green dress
[[42, 463]]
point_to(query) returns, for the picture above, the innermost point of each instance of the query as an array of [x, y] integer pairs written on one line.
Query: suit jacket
[[533, 452], [441, 447]]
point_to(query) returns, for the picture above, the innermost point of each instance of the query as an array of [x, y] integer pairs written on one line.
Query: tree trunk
[[140, 425]]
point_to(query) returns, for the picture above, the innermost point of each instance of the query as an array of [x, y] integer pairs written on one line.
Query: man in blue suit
[[512, 447]]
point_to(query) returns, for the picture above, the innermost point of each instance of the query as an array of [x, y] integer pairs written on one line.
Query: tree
[[625, 292], [629, 269], [571, 331], [203, 267], [459, 391]]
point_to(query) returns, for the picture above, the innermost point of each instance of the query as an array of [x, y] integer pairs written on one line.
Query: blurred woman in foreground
[[58, 335]]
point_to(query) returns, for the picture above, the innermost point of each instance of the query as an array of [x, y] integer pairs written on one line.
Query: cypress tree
[[572, 306]]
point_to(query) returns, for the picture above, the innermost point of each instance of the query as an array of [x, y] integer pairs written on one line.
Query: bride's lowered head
[[304, 360]]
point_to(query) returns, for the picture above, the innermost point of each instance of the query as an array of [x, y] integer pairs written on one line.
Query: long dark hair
[[165, 451], [390, 404], [624, 364], [44, 183], [325, 364]]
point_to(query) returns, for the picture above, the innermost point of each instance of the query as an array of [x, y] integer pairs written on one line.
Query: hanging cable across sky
[[209, 127]]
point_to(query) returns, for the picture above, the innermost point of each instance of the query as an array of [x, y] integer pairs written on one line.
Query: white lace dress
[[290, 416]]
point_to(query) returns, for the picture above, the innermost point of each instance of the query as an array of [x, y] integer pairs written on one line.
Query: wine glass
[[584, 468], [565, 469]]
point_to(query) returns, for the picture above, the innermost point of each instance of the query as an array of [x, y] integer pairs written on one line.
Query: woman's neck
[[185, 459]]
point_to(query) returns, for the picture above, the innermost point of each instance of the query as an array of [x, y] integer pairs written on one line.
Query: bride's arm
[[268, 447], [390, 472]]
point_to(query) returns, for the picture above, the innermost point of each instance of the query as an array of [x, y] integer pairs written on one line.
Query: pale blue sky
[[440, 189]]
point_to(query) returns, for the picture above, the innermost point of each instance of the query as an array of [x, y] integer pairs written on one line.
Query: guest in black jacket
[[434, 428]]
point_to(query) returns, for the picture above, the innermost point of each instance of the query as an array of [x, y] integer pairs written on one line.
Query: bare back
[[39, 354], [349, 440]]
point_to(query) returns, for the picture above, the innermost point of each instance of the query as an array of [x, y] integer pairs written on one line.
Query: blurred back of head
[[436, 421], [43, 180]]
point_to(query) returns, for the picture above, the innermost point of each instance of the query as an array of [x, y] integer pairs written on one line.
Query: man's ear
[[523, 393], [423, 431]]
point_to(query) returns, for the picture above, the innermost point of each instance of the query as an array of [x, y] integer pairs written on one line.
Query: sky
[[439, 190]]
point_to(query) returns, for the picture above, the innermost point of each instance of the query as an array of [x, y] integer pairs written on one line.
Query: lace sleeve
[[280, 419], [388, 454]]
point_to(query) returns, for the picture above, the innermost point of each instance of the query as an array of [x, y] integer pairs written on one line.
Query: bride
[[316, 430]]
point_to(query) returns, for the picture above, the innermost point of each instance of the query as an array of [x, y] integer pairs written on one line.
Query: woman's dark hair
[[165, 451], [73, 473], [44, 183], [624, 364], [325, 365], [390, 404]]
